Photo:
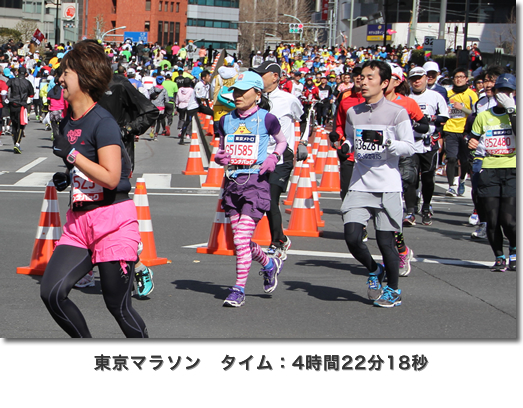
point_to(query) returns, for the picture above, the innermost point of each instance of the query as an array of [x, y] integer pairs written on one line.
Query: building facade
[[214, 22]]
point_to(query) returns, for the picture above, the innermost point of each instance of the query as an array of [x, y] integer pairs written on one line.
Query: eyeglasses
[[479, 82], [460, 77]]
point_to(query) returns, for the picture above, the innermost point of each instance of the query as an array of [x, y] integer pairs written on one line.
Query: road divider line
[[31, 165], [321, 254]]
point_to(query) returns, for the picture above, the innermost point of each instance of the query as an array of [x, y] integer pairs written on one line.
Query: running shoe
[[426, 218], [474, 218], [405, 262], [375, 290], [235, 299], [144, 282], [86, 281], [365, 235], [451, 192], [409, 220], [17, 149], [270, 276], [512, 262], [271, 251], [390, 298], [151, 135], [500, 265], [481, 231], [461, 188], [282, 252], [167, 131]]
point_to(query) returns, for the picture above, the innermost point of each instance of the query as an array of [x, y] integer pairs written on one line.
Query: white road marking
[[157, 180], [35, 180], [320, 254], [31, 165]]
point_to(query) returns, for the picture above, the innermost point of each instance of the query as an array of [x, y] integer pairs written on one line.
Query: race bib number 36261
[[242, 148], [368, 150]]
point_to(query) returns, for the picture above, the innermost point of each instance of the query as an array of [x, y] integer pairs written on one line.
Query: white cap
[[431, 66], [397, 71]]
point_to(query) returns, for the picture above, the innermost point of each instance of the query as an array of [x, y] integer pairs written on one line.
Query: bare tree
[[27, 29], [508, 38], [99, 26]]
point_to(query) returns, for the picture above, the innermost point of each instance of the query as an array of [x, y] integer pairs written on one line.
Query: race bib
[[243, 148], [500, 142], [324, 94], [83, 189], [456, 113], [368, 150]]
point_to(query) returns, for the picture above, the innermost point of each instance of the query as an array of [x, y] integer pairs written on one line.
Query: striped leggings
[[243, 228]]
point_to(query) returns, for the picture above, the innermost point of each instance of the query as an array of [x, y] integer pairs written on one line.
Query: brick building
[[164, 21]]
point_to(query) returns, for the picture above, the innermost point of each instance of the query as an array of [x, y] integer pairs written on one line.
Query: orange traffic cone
[[262, 233], [194, 161], [47, 235], [294, 183], [148, 255], [221, 240], [303, 216], [330, 180], [316, 143], [297, 135], [315, 194], [209, 125], [321, 158], [216, 172]]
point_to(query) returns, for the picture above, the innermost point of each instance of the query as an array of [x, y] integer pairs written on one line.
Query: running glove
[[61, 180], [372, 136], [334, 137], [61, 146], [505, 100], [222, 158], [269, 164]]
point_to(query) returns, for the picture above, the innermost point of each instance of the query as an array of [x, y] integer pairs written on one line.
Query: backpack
[[225, 97], [155, 91]]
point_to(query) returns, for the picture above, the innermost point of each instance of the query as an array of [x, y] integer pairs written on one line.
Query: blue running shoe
[[235, 299], [451, 192], [461, 188], [390, 298], [271, 251], [144, 282], [270, 276], [512, 262], [375, 289]]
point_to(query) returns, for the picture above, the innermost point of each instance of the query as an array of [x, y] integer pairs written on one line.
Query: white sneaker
[[481, 231], [474, 219], [405, 262], [86, 281]]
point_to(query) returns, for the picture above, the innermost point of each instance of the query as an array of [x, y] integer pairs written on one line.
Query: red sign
[[324, 9], [38, 37]]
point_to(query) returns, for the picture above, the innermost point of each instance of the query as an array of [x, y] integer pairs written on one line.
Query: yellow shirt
[[457, 118]]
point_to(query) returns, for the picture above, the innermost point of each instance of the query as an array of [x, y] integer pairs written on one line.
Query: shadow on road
[[325, 292]]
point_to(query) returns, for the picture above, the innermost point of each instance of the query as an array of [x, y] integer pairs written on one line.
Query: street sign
[[136, 36], [428, 42]]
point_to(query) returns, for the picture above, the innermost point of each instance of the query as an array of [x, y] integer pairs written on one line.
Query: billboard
[[136, 36], [375, 32], [68, 11]]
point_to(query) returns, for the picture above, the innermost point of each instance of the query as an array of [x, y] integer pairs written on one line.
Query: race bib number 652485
[[242, 148]]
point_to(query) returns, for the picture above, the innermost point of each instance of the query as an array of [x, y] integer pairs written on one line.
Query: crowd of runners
[[395, 126]]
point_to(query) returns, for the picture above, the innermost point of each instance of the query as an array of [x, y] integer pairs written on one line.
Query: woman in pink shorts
[[102, 226]]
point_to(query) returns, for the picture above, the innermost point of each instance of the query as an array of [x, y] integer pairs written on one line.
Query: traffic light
[[295, 28]]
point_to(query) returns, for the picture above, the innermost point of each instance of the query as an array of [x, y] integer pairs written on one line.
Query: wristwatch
[[511, 111], [388, 142], [71, 157], [277, 155]]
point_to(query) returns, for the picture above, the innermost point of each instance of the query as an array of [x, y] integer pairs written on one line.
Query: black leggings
[[67, 266], [387, 244], [500, 213]]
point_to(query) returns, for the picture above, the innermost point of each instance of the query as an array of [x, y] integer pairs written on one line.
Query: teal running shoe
[[144, 282]]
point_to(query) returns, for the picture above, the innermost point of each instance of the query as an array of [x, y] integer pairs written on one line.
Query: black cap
[[267, 66], [22, 71]]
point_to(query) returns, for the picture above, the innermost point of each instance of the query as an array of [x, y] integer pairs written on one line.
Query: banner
[[375, 32], [325, 10], [68, 11], [38, 37]]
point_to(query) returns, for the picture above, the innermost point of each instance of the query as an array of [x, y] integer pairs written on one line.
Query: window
[[212, 23], [217, 3], [177, 33], [147, 5], [147, 26], [165, 33], [171, 32], [177, 7], [166, 6], [113, 9], [172, 7], [160, 31], [160, 6]]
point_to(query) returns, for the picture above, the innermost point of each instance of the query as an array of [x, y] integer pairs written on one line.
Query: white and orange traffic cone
[[47, 235], [148, 256], [215, 173], [297, 135], [316, 143], [330, 180], [294, 184], [315, 194], [194, 161], [303, 216], [321, 158], [262, 233], [221, 240]]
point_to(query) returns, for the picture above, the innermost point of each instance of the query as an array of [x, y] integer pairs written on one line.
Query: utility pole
[[466, 28], [385, 10], [442, 19], [414, 23]]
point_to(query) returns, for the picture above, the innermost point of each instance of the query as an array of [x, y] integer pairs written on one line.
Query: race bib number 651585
[[242, 148]]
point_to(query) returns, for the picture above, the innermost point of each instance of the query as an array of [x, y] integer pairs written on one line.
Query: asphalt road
[[450, 293]]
